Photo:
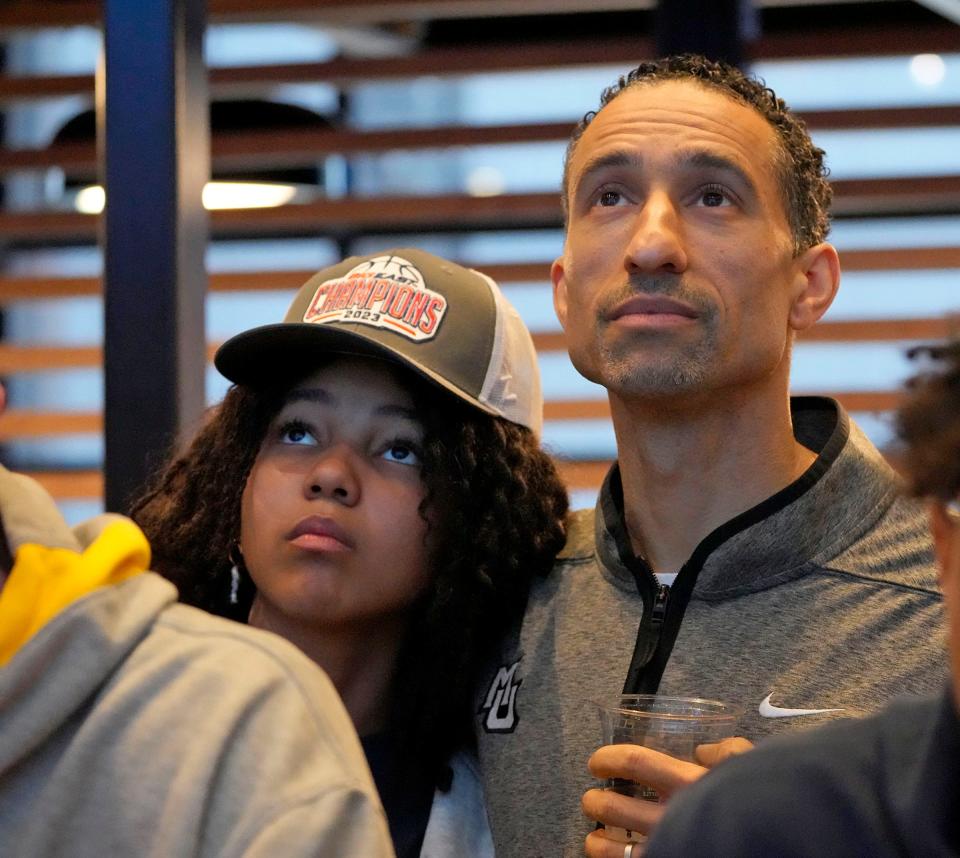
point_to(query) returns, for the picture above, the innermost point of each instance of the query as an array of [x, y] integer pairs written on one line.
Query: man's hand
[[666, 774]]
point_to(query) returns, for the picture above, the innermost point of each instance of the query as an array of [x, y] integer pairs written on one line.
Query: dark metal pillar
[[153, 119], [718, 29]]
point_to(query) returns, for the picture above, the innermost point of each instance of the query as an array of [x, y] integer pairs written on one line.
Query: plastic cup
[[672, 725]]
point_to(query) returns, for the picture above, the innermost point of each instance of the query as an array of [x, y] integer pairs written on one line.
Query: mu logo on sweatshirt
[[499, 707]]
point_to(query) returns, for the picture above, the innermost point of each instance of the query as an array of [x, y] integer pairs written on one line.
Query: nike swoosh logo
[[768, 710]]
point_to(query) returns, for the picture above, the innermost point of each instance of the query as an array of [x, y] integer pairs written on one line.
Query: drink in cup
[[672, 725]]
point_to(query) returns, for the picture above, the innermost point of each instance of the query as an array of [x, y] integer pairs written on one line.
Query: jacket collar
[[837, 499]]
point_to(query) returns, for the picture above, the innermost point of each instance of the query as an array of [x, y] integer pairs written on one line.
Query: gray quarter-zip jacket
[[824, 596]]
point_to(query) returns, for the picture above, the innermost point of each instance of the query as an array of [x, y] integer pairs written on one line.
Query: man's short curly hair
[[928, 424], [494, 502], [801, 171]]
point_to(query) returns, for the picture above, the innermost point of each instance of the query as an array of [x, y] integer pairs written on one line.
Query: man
[[746, 546], [885, 786], [134, 726]]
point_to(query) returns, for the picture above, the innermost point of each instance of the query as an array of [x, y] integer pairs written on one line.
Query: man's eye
[[714, 197], [609, 198], [402, 453]]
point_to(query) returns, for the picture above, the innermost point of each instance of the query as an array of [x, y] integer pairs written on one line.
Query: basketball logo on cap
[[384, 292]]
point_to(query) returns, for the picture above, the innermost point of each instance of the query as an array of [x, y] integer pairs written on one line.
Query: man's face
[[678, 272]]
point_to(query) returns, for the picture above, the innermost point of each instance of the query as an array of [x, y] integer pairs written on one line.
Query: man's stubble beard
[[657, 364]]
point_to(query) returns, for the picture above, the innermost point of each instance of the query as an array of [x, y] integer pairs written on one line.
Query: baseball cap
[[450, 324]]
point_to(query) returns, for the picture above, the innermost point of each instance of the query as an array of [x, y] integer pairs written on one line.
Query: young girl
[[373, 489]]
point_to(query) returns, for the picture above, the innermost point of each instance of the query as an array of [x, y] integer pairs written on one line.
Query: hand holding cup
[[653, 747]]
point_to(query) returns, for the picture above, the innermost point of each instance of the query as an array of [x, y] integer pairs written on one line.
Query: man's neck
[[686, 471]]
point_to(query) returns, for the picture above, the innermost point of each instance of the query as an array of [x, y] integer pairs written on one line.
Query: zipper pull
[[660, 605]]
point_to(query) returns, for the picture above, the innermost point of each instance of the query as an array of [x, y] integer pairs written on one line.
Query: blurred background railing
[[443, 125]]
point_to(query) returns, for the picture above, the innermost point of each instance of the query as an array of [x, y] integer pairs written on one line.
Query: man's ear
[[817, 281], [558, 278]]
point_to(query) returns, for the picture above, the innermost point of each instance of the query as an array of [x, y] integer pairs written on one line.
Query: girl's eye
[[402, 453], [296, 432], [713, 196]]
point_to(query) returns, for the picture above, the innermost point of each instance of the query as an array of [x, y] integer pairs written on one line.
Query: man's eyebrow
[[712, 161], [610, 161]]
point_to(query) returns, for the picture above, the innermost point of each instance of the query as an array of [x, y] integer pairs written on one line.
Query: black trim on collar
[[650, 655]]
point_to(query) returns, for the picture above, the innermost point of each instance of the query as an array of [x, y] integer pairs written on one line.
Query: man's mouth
[[652, 311]]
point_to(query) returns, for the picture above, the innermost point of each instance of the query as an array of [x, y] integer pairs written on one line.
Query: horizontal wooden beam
[[279, 148], [33, 15], [20, 14], [13, 289], [71, 485], [599, 409], [257, 80], [818, 42], [375, 215], [814, 42], [915, 195], [19, 423], [18, 359], [21, 359], [26, 359], [879, 330], [369, 215]]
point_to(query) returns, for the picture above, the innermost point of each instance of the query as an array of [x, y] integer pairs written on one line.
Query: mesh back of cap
[[512, 383]]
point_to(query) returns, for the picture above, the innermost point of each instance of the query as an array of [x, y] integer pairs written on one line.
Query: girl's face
[[330, 527]]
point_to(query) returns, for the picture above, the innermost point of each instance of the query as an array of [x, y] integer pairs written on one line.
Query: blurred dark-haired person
[[135, 727], [888, 785], [747, 545]]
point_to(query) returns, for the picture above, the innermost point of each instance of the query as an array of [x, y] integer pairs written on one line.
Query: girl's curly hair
[[497, 511]]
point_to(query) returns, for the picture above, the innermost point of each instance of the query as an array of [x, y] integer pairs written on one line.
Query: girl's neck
[[360, 659]]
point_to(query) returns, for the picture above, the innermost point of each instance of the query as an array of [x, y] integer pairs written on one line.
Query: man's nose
[[657, 243]]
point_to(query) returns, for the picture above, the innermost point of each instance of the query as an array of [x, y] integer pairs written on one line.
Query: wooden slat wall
[[460, 213]]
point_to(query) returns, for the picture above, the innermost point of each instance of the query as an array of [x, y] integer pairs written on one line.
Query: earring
[[234, 597], [234, 585]]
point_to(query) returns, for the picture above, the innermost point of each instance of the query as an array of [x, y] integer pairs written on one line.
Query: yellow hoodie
[[44, 581]]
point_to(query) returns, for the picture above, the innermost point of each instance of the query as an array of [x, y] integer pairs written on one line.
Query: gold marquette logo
[[384, 292]]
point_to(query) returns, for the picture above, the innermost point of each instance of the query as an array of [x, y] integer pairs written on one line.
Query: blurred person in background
[[373, 489]]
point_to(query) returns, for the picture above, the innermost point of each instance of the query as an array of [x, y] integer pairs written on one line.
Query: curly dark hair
[[497, 516], [801, 172], [928, 424]]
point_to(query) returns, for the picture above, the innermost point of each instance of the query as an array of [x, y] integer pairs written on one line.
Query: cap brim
[[273, 353]]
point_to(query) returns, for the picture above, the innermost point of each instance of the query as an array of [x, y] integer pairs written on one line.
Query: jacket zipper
[[659, 611]]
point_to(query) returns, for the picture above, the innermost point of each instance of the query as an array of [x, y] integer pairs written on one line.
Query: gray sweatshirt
[[134, 726], [824, 596]]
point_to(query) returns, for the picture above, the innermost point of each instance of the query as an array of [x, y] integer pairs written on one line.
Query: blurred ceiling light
[[258, 186], [928, 69], [485, 182], [216, 195]]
